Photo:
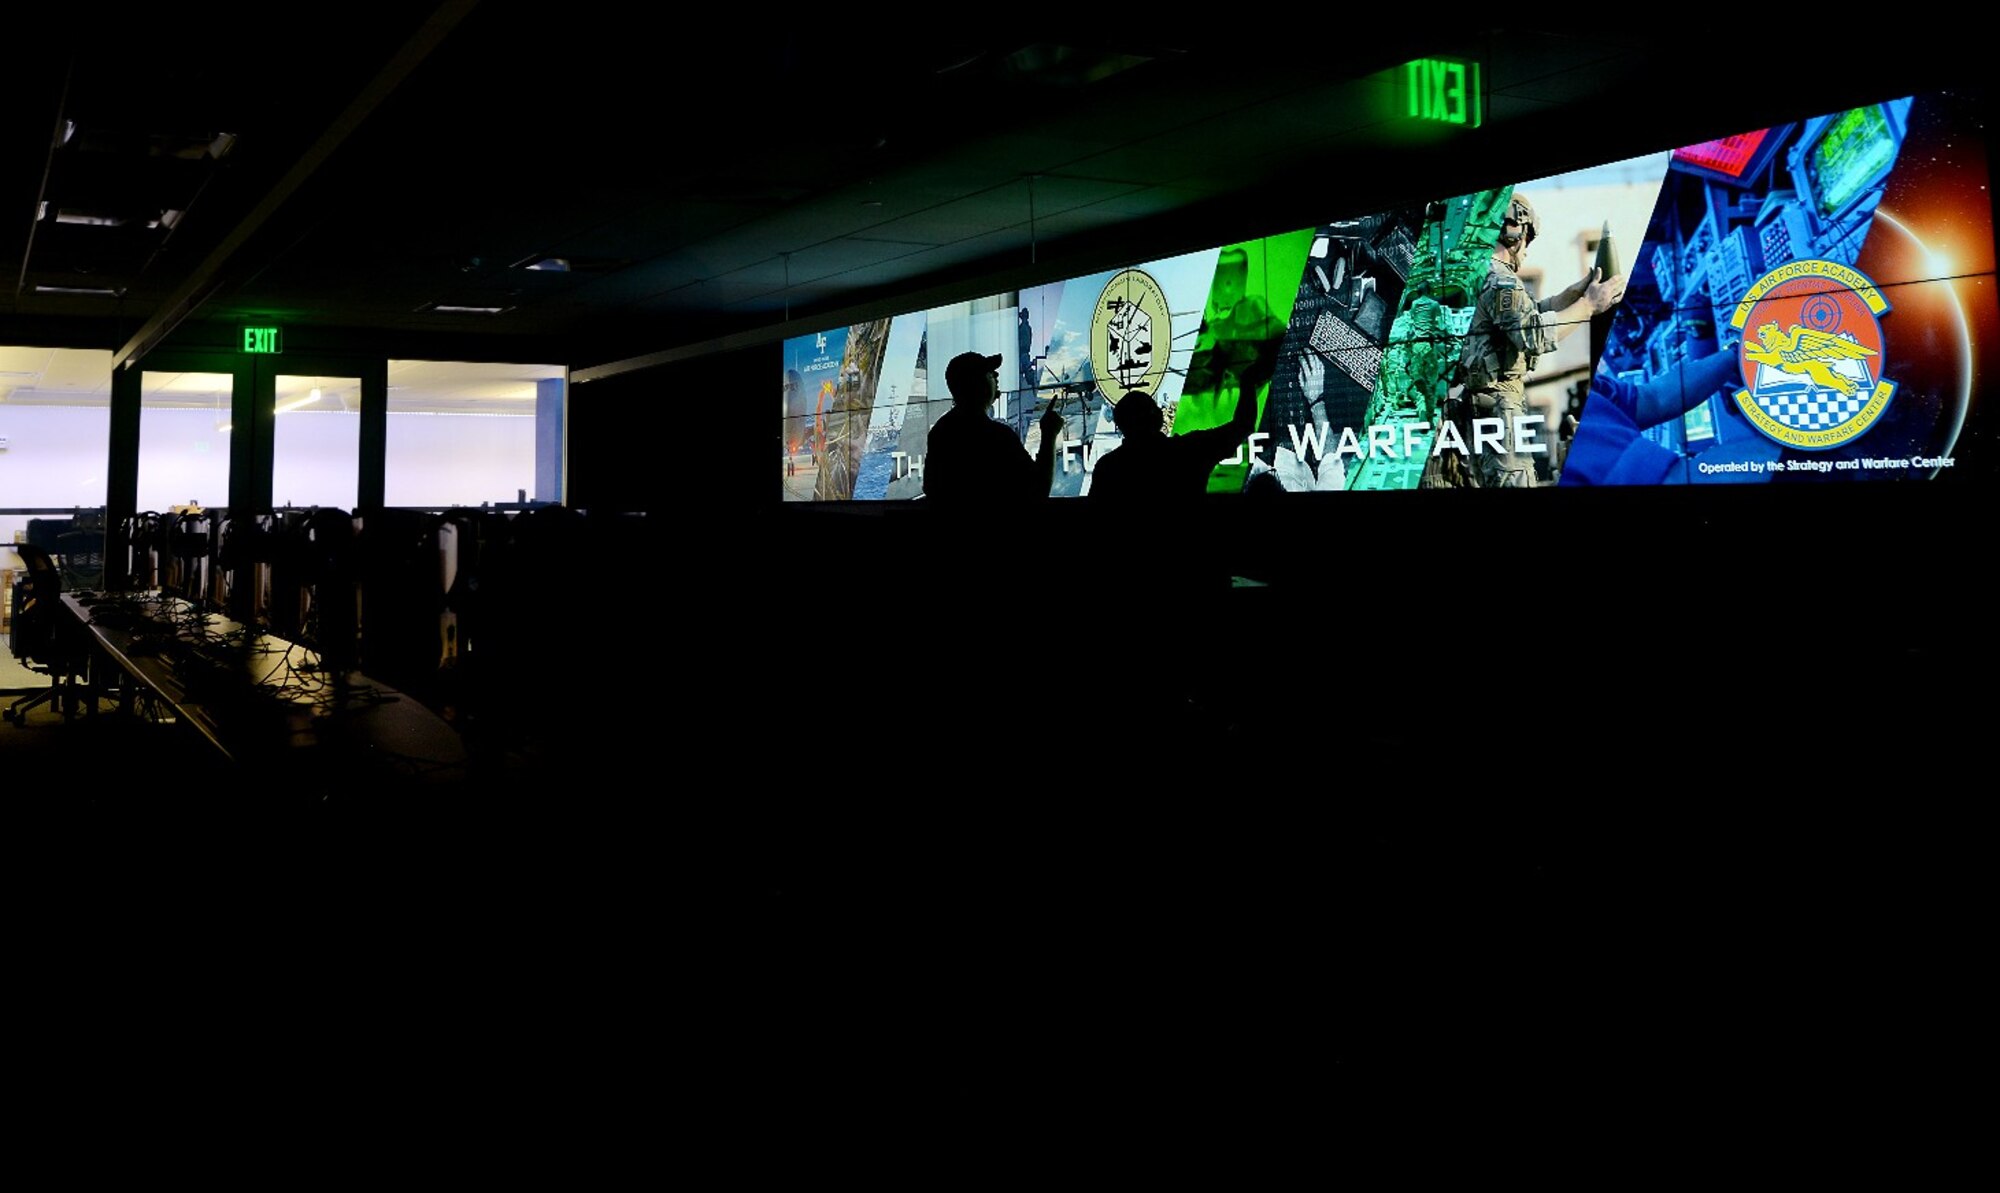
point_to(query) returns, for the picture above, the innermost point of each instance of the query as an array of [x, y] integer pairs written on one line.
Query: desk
[[259, 698]]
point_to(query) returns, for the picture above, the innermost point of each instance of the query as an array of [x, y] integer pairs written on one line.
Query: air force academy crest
[[1811, 355]]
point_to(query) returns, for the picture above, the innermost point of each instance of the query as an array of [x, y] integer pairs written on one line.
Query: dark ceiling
[[688, 189]]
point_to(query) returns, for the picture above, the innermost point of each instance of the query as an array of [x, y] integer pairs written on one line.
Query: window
[[55, 432], [471, 434], [184, 429], [316, 453]]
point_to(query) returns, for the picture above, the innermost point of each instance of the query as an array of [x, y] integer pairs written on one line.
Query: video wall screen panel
[[1808, 303]]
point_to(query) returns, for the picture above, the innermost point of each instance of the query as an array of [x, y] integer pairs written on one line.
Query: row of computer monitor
[[404, 594]]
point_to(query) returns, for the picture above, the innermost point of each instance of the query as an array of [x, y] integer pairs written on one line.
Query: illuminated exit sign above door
[[264, 340], [1443, 90]]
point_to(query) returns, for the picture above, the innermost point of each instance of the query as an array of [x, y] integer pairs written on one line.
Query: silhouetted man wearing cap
[[985, 494], [975, 460]]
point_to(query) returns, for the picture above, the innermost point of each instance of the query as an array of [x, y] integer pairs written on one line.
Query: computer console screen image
[[1811, 302]]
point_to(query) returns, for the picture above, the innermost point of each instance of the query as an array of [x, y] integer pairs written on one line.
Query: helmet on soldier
[[1522, 213]]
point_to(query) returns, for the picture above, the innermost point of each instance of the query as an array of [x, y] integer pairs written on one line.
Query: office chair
[[34, 637]]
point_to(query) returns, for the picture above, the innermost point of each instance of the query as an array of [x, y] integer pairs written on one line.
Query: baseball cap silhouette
[[966, 370]]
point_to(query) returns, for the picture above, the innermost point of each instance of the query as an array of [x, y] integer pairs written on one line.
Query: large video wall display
[[1810, 303]]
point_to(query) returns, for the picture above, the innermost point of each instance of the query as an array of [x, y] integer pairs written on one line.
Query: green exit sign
[[264, 339], [1443, 90]]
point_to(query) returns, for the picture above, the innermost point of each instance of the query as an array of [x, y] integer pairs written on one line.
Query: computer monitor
[[47, 533], [241, 573], [1736, 159], [323, 552], [1841, 160], [283, 552], [145, 540], [184, 566]]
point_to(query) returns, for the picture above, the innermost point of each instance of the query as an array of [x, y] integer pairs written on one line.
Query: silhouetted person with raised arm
[[975, 461], [1165, 582], [1150, 466]]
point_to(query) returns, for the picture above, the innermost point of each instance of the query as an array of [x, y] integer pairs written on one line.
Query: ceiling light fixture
[[459, 310], [71, 215]]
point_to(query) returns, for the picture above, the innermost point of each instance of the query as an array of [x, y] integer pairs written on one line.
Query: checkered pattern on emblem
[[1812, 411]]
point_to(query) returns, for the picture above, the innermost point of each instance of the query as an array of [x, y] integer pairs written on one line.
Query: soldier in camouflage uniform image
[[1510, 331], [1420, 358]]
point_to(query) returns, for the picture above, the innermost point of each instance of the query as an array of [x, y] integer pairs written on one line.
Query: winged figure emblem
[[1816, 354]]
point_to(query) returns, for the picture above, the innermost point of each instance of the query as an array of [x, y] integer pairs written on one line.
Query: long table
[[256, 697]]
